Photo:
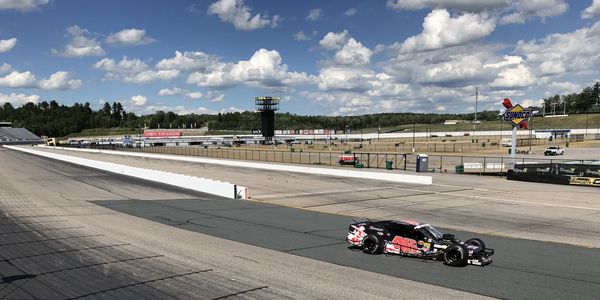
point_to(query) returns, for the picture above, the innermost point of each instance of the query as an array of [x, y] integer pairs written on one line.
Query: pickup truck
[[554, 150]]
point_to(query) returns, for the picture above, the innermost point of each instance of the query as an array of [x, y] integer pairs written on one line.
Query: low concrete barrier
[[219, 188], [393, 177]]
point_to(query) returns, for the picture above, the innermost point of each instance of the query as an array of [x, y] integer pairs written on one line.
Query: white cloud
[[522, 10], [60, 80], [130, 36], [22, 5], [345, 78], [314, 14], [440, 30], [5, 68], [264, 69], [518, 76], [591, 11], [350, 12], [353, 53], [151, 75], [124, 66], [17, 79], [186, 94], [18, 99], [559, 53], [80, 44], [139, 100], [133, 71], [7, 45], [189, 61], [301, 36], [335, 40], [238, 14], [464, 5]]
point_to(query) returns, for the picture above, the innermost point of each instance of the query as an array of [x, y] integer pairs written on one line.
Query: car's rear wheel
[[475, 242], [371, 245], [456, 255]]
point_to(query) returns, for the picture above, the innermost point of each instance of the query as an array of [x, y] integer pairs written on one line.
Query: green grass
[[570, 122], [102, 132]]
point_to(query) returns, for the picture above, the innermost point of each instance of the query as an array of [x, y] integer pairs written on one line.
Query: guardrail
[[489, 165], [215, 187]]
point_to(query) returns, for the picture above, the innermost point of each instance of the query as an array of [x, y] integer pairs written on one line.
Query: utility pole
[[414, 129], [476, 100]]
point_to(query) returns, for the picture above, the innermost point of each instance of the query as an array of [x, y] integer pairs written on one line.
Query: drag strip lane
[[522, 269]]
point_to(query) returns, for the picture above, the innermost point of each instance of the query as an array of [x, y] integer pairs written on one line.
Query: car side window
[[398, 229]]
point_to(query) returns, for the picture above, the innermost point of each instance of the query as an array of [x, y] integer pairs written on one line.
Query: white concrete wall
[[219, 188], [385, 176]]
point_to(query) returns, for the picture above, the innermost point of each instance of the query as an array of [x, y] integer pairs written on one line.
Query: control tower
[[267, 106]]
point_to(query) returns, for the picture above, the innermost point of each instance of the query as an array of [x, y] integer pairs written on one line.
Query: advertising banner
[[162, 133]]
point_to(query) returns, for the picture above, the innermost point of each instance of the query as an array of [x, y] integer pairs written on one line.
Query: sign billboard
[[162, 133]]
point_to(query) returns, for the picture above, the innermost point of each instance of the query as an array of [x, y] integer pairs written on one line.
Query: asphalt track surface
[[522, 269]]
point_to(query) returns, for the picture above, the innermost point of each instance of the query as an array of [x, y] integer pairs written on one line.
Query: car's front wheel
[[372, 245], [456, 255]]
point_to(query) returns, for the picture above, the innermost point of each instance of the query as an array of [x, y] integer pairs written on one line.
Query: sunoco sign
[[516, 115]]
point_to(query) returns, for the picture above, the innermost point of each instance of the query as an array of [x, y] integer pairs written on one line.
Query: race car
[[422, 240]]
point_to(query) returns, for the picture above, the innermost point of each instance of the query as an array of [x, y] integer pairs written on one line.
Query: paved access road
[[522, 268], [57, 242]]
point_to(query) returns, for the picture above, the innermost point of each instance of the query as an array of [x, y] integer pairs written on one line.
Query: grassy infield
[[571, 122]]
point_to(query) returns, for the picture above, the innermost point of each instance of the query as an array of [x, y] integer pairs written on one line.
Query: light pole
[[414, 129], [476, 100]]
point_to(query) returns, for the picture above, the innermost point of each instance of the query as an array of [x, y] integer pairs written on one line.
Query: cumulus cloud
[[522, 10], [463, 5], [353, 53], [124, 66], [189, 61], [7, 45], [18, 99], [130, 36], [558, 53], [335, 40], [133, 71], [301, 36], [139, 100], [22, 5], [238, 14], [186, 94], [17, 79], [212, 96], [60, 80], [264, 68], [5, 68], [151, 75], [440, 30], [80, 44], [350, 12], [591, 11], [314, 14]]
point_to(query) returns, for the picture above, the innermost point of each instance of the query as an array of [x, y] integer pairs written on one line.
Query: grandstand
[[10, 135]]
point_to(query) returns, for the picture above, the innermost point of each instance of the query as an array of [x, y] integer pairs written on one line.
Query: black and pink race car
[[410, 238]]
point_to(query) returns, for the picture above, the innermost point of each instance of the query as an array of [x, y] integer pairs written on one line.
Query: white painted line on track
[[260, 197], [503, 200]]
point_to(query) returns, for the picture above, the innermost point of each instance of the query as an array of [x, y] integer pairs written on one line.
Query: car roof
[[406, 222]]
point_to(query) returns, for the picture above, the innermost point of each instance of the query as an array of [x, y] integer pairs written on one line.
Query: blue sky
[[322, 57]]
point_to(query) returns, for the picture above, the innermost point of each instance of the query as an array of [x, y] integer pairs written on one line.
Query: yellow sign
[[594, 181]]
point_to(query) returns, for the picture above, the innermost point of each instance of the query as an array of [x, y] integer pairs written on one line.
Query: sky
[[336, 57]]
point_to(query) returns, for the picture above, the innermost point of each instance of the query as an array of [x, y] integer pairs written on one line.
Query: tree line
[[54, 119], [586, 101]]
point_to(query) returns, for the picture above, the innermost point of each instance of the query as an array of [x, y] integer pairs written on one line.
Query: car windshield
[[430, 232]]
